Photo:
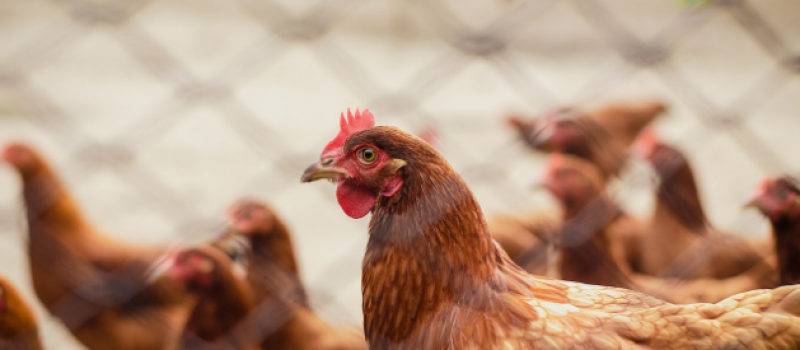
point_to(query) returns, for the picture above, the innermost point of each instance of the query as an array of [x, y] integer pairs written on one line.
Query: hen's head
[[573, 181], [664, 159], [365, 162], [23, 157], [555, 131], [193, 268], [250, 217], [778, 198]]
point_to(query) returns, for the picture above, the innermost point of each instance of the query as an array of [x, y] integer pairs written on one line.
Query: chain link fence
[[160, 113]]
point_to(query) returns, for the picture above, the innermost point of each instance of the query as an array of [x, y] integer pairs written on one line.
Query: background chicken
[[428, 238], [680, 242], [18, 327], [284, 318], [779, 200]]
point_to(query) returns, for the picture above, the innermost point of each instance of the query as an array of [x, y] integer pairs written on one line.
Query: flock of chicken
[[436, 273]]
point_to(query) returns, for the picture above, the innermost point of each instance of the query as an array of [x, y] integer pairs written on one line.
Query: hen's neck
[[585, 248], [678, 195], [48, 203], [436, 211], [429, 249], [787, 246]]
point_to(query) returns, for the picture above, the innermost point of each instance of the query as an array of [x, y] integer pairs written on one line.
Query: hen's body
[[680, 242], [434, 279]]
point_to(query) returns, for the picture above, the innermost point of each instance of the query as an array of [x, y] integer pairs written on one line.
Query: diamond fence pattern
[[160, 113]]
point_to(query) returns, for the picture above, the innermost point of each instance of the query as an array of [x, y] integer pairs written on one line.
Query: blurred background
[[160, 113]]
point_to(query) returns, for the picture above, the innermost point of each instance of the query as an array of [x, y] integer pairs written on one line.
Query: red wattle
[[355, 200]]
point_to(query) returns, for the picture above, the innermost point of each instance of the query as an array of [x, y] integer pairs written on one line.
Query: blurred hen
[[283, 318]]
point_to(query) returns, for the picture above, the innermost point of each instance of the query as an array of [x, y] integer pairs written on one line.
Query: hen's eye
[[367, 155]]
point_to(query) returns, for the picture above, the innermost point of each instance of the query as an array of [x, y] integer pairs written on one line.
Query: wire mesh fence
[[161, 113]]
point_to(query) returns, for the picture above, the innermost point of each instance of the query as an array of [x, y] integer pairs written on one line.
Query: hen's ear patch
[[348, 126]]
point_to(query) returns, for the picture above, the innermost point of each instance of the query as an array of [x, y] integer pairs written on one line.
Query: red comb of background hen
[[762, 186], [646, 142], [348, 126]]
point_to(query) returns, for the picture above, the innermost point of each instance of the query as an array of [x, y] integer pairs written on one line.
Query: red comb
[[646, 142], [348, 126]]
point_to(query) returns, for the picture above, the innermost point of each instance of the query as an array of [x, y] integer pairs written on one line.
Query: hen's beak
[[322, 170], [751, 203]]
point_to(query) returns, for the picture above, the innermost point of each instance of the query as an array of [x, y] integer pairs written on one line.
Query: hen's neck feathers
[[677, 194], [430, 258], [49, 203], [787, 245]]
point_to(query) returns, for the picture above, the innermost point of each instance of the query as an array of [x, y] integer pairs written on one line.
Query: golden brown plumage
[[434, 279], [18, 327], [284, 316]]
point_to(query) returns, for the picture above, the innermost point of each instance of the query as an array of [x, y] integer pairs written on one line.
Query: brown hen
[[680, 242], [434, 279], [284, 318]]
